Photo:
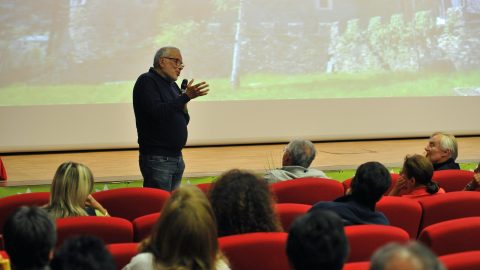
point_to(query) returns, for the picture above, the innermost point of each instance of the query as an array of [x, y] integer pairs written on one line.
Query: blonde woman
[[184, 237], [70, 193]]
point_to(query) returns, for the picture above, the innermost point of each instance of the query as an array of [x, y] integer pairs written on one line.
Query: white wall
[[108, 126]]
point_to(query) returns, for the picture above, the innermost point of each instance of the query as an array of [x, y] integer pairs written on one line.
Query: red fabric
[[402, 212], [205, 187], [421, 192], [130, 203], [3, 172], [142, 226], [357, 266], [288, 212], [469, 260], [109, 229], [9, 204], [364, 240], [256, 251], [451, 205], [347, 183], [307, 190], [452, 180], [123, 253], [452, 236]]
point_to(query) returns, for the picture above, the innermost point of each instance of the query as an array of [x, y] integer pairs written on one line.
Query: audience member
[[243, 203], [474, 185], [184, 237], [370, 182], [82, 252], [411, 256], [70, 193], [442, 151], [297, 157], [415, 179], [317, 241], [29, 236]]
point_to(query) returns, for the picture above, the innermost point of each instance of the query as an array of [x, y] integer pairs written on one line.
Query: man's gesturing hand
[[196, 90]]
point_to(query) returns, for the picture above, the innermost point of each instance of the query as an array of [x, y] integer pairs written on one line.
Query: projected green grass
[[261, 87]]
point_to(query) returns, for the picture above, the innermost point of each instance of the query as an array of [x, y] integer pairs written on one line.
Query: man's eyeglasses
[[177, 61]]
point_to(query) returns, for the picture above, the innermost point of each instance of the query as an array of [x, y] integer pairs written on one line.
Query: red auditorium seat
[[307, 190], [142, 226], [452, 180], [130, 203], [452, 236], [109, 229], [288, 212], [9, 204], [364, 240], [346, 184], [205, 187], [122, 253], [404, 213], [451, 205], [256, 251], [357, 266], [468, 260]]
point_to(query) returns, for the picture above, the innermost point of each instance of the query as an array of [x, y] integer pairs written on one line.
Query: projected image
[[87, 51]]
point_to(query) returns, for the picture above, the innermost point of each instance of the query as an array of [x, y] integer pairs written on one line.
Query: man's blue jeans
[[161, 172]]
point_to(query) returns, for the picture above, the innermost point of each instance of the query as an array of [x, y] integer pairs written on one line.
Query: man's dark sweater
[[159, 115], [351, 212], [447, 165]]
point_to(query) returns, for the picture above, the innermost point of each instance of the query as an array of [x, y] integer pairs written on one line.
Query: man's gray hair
[[162, 52], [448, 142], [411, 251], [302, 152]]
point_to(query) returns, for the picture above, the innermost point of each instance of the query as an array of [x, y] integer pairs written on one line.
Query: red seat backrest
[[468, 260], [451, 236], [130, 203], [452, 180], [109, 229], [402, 212], [205, 187], [348, 182], [364, 240], [307, 190], [256, 251], [451, 205], [357, 266], [142, 226], [122, 253], [288, 212], [9, 204]]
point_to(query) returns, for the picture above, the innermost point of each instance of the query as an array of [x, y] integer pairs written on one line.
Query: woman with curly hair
[[415, 179], [70, 193], [243, 203], [184, 237]]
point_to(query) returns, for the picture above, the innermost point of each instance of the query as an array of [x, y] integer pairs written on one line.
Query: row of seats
[[411, 215], [267, 250]]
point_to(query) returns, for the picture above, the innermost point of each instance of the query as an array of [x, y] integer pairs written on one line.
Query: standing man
[[442, 151], [161, 117]]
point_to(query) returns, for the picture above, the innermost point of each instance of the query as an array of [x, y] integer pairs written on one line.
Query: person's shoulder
[[276, 175], [221, 264], [141, 261]]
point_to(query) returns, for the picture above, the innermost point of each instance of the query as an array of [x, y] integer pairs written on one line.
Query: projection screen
[[318, 69]]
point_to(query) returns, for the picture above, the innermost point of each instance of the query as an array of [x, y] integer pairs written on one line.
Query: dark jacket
[[447, 165], [351, 212], [159, 115]]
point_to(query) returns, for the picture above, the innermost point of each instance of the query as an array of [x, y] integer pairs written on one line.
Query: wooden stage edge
[[25, 169]]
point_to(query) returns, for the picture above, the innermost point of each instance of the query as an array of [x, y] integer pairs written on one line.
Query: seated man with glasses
[[161, 118]]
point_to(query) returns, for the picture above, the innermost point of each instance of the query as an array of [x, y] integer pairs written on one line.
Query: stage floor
[[121, 165]]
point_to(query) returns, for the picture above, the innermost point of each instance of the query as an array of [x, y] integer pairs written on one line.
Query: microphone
[[183, 87]]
